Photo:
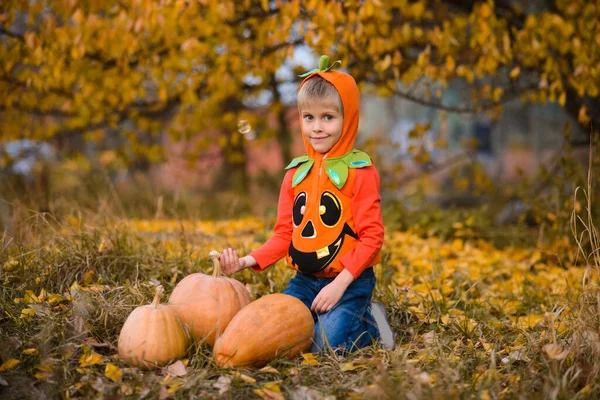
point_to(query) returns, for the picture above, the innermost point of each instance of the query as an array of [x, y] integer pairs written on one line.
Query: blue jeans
[[349, 325]]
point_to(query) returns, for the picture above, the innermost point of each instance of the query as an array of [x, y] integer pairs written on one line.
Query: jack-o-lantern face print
[[322, 229]]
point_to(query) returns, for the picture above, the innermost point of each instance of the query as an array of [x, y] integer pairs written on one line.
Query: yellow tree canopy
[[137, 67]]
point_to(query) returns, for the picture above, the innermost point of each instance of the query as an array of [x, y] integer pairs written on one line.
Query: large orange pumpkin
[[207, 303], [152, 335], [276, 325]]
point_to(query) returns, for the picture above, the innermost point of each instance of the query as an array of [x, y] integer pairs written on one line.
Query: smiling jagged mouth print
[[314, 261]]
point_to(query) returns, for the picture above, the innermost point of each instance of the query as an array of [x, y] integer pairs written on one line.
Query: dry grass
[[472, 320]]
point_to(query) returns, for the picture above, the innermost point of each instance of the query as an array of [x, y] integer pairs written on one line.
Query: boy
[[329, 224]]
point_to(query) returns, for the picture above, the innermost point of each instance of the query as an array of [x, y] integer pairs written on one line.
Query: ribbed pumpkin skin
[[152, 336], [272, 326], [206, 304]]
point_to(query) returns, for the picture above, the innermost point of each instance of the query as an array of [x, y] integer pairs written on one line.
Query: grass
[[472, 321], [476, 316]]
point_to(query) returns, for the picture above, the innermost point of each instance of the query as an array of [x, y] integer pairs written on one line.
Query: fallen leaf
[[350, 366], [270, 395], [27, 313], [3, 382], [309, 359], [245, 378], [30, 352], [269, 370], [89, 357], [88, 276], [8, 364], [457, 244], [177, 369], [113, 373], [45, 367], [41, 376], [272, 386]]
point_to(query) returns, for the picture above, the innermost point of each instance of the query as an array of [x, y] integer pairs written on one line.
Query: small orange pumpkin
[[273, 326], [152, 335], [206, 303]]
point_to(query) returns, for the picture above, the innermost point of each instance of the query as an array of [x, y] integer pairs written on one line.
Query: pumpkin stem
[[214, 255], [159, 291]]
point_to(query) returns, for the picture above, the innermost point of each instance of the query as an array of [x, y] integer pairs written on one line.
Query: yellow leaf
[[485, 11], [272, 386], [515, 72], [385, 63], [457, 244], [562, 99], [27, 313], [450, 63], [245, 378], [45, 367], [55, 298], [30, 297], [350, 366], [530, 321], [40, 376], [583, 115], [9, 364], [535, 257], [89, 357], [309, 359], [113, 373], [10, 265], [30, 352], [88, 276]]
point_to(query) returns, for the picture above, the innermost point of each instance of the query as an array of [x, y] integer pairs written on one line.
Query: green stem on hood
[[323, 66]]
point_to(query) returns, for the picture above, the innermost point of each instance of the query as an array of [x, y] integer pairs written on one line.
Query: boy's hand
[[331, 294], [230, 263]]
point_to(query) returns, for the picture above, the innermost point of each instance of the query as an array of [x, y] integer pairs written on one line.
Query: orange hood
[[350, 95]]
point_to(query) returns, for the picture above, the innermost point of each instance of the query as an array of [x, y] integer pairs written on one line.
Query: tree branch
[[5, 32]]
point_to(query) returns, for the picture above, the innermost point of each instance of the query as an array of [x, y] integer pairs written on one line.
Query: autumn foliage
[[123, 71]]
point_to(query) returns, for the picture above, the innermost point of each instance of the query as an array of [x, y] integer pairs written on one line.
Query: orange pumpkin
[[207, 303], [152, 335], [276, 325]]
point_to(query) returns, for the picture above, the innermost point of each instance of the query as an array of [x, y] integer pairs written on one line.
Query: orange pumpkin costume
[[329, 215]]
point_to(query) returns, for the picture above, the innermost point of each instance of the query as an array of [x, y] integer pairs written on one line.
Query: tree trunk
[[284, 137], [233, 175]]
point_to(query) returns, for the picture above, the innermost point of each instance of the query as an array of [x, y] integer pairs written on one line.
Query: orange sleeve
[[366, 212], [277, 246]]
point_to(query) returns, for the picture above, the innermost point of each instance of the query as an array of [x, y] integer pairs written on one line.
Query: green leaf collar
[[335, 168]]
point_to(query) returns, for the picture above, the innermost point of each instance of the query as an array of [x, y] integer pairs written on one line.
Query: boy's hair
[[318, 89]]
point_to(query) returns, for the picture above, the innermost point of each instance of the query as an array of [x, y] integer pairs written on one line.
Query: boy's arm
[[368, 222], [277, 246]]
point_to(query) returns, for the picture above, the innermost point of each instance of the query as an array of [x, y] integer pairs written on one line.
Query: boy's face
[[322, 124]]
